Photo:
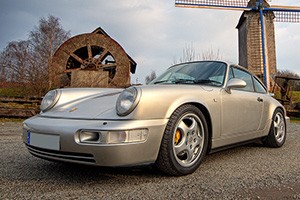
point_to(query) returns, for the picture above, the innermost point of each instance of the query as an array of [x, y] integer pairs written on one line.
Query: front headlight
[[49, 100], [128, 100]]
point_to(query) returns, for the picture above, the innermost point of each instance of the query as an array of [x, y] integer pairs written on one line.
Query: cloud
[[153, 32], [287, 46]]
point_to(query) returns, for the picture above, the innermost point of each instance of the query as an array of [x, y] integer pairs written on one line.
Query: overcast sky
[[152, 32]]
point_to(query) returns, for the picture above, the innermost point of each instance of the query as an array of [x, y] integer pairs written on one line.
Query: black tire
[[184, 142], [277, 133]]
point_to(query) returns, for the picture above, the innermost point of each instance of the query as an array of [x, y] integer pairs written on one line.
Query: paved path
[[247, 172]]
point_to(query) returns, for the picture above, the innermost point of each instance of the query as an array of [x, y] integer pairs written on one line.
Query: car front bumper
[[63, 133]]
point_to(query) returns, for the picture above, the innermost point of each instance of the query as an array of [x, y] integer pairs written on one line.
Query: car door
[[242, 108]]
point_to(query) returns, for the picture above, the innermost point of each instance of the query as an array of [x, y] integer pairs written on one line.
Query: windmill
[[261, 7]]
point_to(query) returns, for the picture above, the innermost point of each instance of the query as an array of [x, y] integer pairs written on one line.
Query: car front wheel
[[184, 142], [277, 133]]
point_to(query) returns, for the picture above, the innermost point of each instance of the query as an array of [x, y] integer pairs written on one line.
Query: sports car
[[191, 110]]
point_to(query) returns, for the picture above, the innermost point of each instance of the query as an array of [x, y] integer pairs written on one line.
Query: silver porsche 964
[[189, 111]]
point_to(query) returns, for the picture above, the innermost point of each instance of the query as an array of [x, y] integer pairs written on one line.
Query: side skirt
[[233, 145]]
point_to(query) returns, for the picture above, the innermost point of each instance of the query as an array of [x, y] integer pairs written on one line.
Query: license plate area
[[43, 140]]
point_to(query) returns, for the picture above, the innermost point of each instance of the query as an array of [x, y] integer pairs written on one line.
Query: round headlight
[[49, 100], [127, 101]]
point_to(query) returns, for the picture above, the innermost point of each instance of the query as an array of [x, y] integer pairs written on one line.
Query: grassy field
[[295, 119], [296, 96], [11, 92]]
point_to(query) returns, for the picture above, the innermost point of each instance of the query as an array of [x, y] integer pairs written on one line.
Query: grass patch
[[295, 96], [295, 119], [16, 105], [11, 92], [3, 120]]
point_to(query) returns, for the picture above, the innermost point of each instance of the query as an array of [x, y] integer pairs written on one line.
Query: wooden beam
[[292, 8], [213, 7]]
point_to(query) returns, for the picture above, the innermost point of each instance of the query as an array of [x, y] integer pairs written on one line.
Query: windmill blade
[[285, 13], [214, 4], [282, 16]]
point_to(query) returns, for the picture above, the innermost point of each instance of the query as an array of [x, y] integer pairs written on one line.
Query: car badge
[[73, 109]]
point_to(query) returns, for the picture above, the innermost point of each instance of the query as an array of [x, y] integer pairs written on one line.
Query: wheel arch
[[169, 164], [276, 136], [281, 108], [207, 116], [283, 111], [270, 115]]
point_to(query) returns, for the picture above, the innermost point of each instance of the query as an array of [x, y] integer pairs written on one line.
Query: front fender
[[160, 102]]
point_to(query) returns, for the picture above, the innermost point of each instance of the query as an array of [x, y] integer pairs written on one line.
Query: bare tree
[[150, 77], [15, 61], [189, 54], [45, 39], [20, 66], [289, 74], [28, 61], [210, 54]]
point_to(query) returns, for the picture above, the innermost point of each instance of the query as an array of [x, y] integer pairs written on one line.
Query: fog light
[[89, 137], [115, 137], [111, 137]]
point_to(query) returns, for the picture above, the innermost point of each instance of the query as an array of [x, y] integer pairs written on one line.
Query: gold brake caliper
[[177, 137]]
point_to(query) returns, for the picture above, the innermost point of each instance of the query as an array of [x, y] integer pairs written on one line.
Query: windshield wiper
[[183, 81], [176, 81], [190, 81], [162, 81], [204, 81]]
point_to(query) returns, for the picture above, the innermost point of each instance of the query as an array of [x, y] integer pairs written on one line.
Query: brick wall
[[250, 44]]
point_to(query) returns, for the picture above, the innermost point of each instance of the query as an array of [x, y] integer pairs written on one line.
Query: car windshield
[[203, 72]]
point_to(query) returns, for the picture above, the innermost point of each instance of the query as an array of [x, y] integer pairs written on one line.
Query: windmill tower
[[250, 42], [262, 16]]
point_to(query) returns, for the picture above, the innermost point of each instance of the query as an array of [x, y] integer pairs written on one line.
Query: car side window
[[258, 86], [241, 74]]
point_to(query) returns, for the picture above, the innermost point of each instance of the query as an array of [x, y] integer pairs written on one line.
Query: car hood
[[84, 103], [156, 102]]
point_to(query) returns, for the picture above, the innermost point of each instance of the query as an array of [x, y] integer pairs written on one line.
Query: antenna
[[281, 13]]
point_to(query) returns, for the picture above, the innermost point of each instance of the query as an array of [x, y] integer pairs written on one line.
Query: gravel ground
[[247, 172]]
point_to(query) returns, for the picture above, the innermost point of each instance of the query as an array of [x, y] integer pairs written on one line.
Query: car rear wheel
[[277, 133], [184, 142]]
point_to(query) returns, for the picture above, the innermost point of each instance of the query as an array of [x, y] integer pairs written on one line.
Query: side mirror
[[235, 83]]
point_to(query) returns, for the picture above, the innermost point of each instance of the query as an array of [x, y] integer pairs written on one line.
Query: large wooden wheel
[[94, 51]]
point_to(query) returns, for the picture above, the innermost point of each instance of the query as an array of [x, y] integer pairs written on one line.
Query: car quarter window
[[241, 74], [230, 74], [258, 86]]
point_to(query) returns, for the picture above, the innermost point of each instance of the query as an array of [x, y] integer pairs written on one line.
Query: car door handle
[[260, 99]]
